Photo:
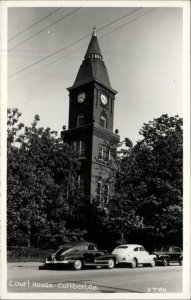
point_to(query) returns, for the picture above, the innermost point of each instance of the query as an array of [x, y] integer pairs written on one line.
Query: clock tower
[[90, 126]]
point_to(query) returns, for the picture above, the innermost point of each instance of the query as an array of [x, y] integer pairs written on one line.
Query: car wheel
[[153, 263], [180, 262], [165, 262], [77, 265], [134, 263], [111, 264]]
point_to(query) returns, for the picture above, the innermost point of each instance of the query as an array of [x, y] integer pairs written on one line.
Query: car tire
[[111, 263], [134, 263], [180, 262], [153, 263], [77, 265], [165, 262]]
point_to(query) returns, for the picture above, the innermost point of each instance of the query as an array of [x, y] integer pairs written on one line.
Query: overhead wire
[[37, 33], [38, 22], [119, 27], [97, 29], [67, 46], [81, 47]]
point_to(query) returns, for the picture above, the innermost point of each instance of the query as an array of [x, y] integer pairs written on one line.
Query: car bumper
[[53, 262]]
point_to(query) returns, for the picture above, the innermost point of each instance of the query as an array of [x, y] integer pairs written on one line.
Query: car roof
[[130, 245], [72, 244]]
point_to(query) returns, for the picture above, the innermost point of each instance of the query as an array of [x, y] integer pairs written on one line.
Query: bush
[[24, 254]]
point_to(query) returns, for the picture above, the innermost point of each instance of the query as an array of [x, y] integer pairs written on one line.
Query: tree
[[117, 212], [154, 179], [41, 170], [146, 203]]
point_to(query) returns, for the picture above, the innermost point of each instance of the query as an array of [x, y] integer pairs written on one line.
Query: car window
[[176, 249], [165, 249], [82, 248], [92, 247], [122, 247], [142, 249], [136, 249], [63, 249]]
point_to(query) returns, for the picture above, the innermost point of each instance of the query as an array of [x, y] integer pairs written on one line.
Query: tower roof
[[93, 47], [93, 67]]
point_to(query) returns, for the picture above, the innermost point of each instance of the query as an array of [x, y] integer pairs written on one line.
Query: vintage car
[[79, 255], [133, 255], [167, 254]]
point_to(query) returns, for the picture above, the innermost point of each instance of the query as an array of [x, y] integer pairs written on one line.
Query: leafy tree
[[154, 179], [117, 212], [41, 170], [146, 203]]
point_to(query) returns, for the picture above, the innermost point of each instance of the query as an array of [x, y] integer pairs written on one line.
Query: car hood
[[160, 252]]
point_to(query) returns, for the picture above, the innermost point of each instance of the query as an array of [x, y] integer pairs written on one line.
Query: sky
[[142, 50]]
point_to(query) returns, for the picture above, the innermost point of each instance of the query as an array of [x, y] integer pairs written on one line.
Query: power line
[[46, 57], [123, 25], [119, 19], [97, 31], [103, 36], [13, 37], [43, 29]]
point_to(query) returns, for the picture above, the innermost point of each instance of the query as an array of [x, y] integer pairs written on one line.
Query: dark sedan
[[167, 254], [79, 255]]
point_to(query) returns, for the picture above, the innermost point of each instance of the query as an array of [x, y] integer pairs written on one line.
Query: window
[[92, 247], [122, 247], [166, 249], [103, 190], [82, 248], [80, 147], [176, 249], [104, 153], [81, 181], [99, 189], [103, 121], [142, 249], [80, 120], [107, 192], [136, 249]]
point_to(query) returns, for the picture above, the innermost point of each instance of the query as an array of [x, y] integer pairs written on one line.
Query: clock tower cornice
[[96, 83]]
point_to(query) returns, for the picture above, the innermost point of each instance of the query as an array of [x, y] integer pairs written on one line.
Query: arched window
[[99, 190], [80, 147], [80, 120], [103, 121], [81, 180], [104, 153]]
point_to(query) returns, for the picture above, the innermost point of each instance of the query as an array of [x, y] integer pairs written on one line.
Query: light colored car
[[133, 255]]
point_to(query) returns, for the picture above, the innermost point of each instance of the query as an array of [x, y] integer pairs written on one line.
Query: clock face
[[81, 97], [103, 99]]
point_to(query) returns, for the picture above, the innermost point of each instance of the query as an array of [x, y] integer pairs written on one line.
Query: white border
[[186, 114]]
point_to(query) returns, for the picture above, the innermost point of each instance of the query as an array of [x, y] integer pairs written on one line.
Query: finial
[[94, 31]]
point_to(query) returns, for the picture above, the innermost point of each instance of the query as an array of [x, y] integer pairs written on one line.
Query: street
[[26, 277]]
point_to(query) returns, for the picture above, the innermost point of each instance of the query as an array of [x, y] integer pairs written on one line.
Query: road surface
[[23, 278]]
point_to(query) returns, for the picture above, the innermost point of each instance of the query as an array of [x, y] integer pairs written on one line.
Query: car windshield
[[165, 248], [122, 247]]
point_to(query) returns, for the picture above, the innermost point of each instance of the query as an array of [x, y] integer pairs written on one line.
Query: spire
[[93, 50], [93, 68], [94, 31]]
